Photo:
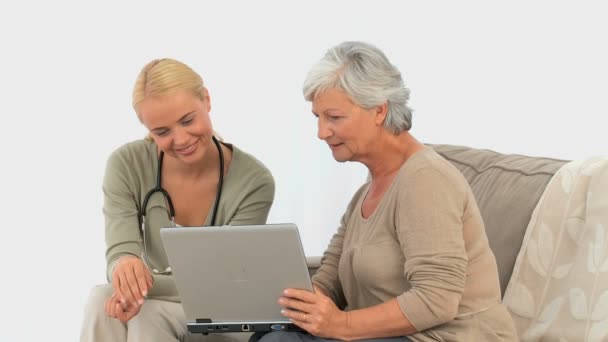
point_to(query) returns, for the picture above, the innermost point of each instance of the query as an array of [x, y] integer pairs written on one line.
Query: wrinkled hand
[[313, 312], [123, 312], [131, 280]]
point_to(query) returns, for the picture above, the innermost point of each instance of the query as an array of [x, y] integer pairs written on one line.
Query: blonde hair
[[162, 77]]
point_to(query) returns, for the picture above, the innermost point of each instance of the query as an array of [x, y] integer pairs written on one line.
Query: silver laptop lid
[[235, 273]]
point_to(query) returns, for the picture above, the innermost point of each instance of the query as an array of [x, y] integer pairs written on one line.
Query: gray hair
[[364, 73]]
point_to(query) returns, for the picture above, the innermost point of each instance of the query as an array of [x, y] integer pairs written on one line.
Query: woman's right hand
[[131, 280]]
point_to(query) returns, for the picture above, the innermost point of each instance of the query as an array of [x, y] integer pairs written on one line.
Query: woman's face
[[346, 127], [179, 124]]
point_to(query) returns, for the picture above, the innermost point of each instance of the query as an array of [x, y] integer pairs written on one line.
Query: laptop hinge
[[203, 320]]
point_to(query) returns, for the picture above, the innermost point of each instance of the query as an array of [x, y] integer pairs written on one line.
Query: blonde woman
[[181, 175]]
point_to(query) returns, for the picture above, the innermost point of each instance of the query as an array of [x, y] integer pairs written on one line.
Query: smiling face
[[179, 124], [346, 127]]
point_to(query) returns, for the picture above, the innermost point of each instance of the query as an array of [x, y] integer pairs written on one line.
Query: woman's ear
[[207, 99], [380, 113]]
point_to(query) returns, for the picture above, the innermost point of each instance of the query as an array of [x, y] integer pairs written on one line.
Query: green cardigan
[[247, 196]]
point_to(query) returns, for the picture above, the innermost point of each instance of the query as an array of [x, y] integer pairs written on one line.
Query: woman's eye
[[187, 122], [162, 133], [333, 117]]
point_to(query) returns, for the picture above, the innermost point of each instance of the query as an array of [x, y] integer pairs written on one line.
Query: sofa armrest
[[313, 262]]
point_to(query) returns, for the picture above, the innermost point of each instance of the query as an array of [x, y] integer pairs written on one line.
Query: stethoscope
[[159, 188]]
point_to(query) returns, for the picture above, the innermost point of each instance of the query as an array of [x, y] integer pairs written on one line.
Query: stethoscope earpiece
[[166, 271]]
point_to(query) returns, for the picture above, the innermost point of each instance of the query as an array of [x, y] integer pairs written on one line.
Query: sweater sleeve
[[120, 213], [430, 232], [327, 277], [256, 204]]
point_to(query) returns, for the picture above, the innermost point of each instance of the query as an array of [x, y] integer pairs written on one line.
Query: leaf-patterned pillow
[[559, 287]]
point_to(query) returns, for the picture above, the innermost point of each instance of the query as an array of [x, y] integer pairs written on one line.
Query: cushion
[[507, 189], [559, 287]]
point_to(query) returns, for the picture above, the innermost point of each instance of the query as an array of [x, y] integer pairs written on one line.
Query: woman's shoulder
[[245, 164], [427, 166], [246, 176], [134, 153]]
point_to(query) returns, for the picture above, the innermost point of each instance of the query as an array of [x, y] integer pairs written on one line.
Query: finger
[[127, 313], [126, 290], [116, 284], [149, 279], [142, 281], [112, 301], [134, 286], [295, 304], [295, 316], [134, 310], [120, 313], [303, 295], [112, 308]]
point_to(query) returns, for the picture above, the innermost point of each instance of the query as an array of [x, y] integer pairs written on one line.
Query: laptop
[[229, 278]]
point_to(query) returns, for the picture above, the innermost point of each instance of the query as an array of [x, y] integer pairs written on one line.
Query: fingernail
[[141, 302], [144, 293], [283, 311], [122, 300], [285, 292]]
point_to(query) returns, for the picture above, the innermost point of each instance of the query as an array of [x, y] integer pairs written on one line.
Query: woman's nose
[[322, 131], [180, 136]]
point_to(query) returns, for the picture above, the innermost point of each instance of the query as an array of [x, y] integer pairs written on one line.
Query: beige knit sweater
[[424, 244]]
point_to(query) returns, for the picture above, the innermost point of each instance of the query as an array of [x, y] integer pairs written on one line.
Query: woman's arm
[[317, 314], [256, 204], [128, 274], [382, 320], [429, 227], [120, 212], [326, 277]]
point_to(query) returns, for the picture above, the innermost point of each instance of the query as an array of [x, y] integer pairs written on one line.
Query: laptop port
[[277, 327], [245, 327], [224, 327]]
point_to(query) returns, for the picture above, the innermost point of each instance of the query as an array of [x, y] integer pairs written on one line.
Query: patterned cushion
[[559, 287], [507, 188]]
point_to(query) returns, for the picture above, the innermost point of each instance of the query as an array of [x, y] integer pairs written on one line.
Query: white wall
[[517, 77]]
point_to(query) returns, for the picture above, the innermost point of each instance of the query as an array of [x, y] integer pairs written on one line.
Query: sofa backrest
[[507, 188]]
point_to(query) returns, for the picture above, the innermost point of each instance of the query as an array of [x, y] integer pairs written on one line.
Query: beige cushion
[[559, 287], [507, 188]]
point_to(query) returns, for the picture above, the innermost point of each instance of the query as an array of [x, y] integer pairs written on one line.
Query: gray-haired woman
[[410, 259]]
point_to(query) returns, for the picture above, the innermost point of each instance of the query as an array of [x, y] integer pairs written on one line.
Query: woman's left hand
[[121, 311], [313, 312]]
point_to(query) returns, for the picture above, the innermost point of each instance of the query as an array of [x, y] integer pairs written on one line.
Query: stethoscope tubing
[[158, 188]]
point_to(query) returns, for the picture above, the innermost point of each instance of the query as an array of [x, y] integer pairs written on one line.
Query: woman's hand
[[123, 312], [131, 280], [313, 312]]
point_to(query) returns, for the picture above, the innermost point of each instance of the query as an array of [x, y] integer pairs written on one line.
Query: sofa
[[509, 190]]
